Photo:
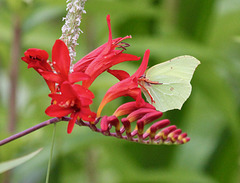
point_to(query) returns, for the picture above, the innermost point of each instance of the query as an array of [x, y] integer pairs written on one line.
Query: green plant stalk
[[51, 153]]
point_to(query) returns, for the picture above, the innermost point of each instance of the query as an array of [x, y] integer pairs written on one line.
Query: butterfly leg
[[142, 87]]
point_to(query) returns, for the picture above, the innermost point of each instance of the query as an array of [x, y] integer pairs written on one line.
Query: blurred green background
[[208, 30]]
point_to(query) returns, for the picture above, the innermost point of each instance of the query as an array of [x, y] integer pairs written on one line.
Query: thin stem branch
[[51, 153], [168, 135], [32, 129]]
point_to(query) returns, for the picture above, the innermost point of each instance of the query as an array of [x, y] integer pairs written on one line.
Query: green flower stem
[[51, 153]]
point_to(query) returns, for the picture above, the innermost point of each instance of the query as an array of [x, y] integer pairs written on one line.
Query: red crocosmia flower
[[127, 87], [129, 107], [75, 100], [37, 59], [61, 64], [104, 57]]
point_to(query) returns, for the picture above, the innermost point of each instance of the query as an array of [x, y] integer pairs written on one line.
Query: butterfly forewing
[[181, 67], [175, 76]]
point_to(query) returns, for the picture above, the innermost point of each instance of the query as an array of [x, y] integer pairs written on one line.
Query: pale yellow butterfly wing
[[175, 76]]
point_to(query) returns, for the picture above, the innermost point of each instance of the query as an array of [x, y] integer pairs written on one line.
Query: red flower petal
[[158, 125], [37, 59], [83, 63], [139, 113], [50, 76], [129, 107], [85, 101], [35, 54], [83, 92], [61, 98], [109, 44], [143, 65], [103, 58], [103, 63], [57, 111], [126, 87], [51, 86], [119, 74], [149, 117], [77, 76], [87, 115], [72, 122], [60, 58], [68, 91]]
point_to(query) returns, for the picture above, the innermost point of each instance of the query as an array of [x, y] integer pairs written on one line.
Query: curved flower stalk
[[158, 133], [71, 97]]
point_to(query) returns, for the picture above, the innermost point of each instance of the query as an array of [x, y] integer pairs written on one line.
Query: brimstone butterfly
[[167, 85]]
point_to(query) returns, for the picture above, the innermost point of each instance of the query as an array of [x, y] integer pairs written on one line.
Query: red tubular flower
[[107, 121], [74, 100], [134, 112], [156, 126], [38, 60], [147, 118], [126, 126], [104, 57], [171, 135], [127, 87], [129, 107], [139, 113], [60, 70], [61, 64]]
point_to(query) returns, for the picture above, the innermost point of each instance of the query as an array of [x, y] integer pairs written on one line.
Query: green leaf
[[5, 166]]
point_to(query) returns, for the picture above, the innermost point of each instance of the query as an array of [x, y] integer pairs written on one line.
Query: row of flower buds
[[158, 133]]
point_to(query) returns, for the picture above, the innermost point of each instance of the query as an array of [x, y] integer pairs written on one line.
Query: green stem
[[51, 153]]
